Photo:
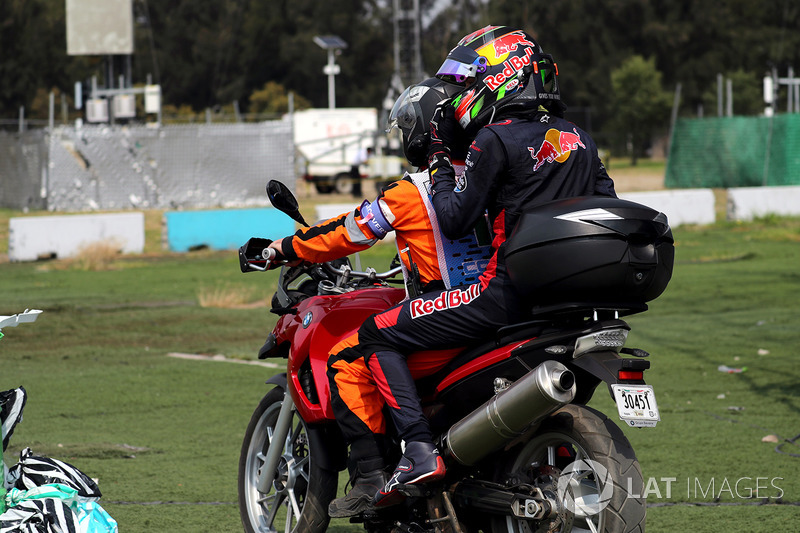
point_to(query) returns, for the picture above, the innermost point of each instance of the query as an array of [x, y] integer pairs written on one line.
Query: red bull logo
[[509, 43], [497, 50], [510, 69], [446, 300], [556, 147]]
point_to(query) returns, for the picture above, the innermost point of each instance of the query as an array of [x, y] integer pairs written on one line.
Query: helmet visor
[[404, 112], [461, 64]]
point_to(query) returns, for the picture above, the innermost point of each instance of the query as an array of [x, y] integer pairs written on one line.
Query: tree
[[33, 55], [641, 105], [210, 53], [278, 45], [748, 94], [273, 98]]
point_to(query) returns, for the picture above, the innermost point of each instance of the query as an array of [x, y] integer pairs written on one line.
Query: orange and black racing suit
[[405, 208], [512, 165], [398, 207]]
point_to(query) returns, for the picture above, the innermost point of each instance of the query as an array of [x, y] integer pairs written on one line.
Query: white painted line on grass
[[220, 358]]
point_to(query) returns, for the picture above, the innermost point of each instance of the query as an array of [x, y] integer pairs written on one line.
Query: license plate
[[636, 405]]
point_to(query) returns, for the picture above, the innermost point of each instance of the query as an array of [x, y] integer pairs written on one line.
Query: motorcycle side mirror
[[282, 199]]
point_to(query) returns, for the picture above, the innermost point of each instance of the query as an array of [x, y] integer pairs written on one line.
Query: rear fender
[[602, 366]]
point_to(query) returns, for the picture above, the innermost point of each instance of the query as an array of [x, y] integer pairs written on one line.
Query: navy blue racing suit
[[513, 165]]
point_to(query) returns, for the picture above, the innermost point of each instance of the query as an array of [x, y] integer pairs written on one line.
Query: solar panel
[[329, 42]]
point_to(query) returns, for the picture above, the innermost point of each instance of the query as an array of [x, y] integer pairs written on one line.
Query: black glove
[[443, 132], [444, 128]]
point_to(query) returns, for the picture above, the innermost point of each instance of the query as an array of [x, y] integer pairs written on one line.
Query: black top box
[[591, 249]]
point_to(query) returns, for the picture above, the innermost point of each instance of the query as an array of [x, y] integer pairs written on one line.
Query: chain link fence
[[728, 152], [23, 166], [136, 167]]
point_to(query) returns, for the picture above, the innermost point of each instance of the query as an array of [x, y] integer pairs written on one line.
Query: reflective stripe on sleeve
[[354, 231]]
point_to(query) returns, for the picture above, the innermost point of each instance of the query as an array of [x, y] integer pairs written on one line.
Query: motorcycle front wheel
[[584, 459], [298, 498]]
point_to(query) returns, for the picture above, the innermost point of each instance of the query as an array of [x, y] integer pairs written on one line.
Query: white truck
[[328, 142]]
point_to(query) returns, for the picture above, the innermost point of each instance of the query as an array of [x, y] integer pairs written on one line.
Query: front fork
[[276, 444]]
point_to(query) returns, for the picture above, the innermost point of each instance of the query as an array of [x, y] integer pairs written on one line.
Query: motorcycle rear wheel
[[299, 496], [574, 446]]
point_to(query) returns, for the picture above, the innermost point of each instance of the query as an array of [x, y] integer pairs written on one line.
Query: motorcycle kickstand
[[450, 515]]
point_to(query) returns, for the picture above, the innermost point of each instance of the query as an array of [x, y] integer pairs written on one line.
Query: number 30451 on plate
[[636, 405]]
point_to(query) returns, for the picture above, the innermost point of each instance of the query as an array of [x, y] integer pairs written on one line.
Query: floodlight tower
[[407, 47], [332, 44]]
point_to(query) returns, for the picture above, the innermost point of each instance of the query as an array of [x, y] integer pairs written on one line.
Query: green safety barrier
[[724, 152]]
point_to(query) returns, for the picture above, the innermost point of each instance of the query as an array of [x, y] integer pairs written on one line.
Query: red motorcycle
[[523, 450]]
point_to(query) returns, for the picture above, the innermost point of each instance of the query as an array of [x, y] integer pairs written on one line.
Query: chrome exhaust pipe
[[528, 400]]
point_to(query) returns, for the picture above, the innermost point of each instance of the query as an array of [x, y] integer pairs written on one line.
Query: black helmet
[[412, 113], [501, 70]]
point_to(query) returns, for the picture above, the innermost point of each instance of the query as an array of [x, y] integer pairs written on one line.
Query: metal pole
[[790, 92], [331, 82], [64, 113], [729, 102], [775, 89], [797, 96], [719, 95], [417, 48], [676, 102], [396, 44], [51, 109]]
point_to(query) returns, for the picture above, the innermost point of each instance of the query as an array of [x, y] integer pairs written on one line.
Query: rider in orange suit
[[403, 207]]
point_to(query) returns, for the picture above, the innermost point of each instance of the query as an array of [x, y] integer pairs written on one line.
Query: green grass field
[[162, 435]]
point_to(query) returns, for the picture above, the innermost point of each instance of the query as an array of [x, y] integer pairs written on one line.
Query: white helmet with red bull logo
[[502, 70]]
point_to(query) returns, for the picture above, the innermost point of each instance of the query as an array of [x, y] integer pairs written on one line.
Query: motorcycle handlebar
[[370, 273], [269, 253], [343, 275]]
